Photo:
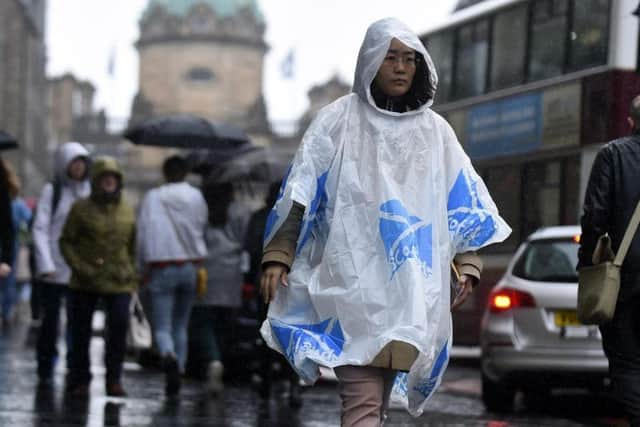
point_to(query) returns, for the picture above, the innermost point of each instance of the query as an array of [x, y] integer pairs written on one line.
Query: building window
[[440, 48], [509, 45], [200, 74], [548, 38], [589, 34], [471, 59]]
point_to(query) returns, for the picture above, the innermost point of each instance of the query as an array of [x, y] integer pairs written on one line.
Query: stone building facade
[[205, 58], [23, 88], [202, 57]]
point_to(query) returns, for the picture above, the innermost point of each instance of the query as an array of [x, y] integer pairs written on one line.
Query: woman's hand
[[272, 276], [465, 286]]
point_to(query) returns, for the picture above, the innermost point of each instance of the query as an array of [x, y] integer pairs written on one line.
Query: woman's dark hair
[[218, 197], [421, 91], [175, 169], [9, 179]]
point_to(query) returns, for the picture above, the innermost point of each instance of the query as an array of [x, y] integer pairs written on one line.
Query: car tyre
[[497, 396]]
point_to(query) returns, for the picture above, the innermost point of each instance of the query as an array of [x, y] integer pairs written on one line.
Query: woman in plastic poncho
[[379, 200]]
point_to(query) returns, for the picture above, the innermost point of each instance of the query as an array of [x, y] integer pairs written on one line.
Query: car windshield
[[548, 261]]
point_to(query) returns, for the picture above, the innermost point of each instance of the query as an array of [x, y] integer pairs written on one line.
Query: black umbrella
[[7, 142], [263, 165], [203, 161], [187, 131]]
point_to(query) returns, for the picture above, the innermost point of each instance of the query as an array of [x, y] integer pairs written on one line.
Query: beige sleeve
[[469, 263], [282, 247]]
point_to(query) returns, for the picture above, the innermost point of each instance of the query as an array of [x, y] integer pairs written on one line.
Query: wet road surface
[[457, 403]]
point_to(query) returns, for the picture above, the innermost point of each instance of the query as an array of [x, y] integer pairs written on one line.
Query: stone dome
[[222, 8]]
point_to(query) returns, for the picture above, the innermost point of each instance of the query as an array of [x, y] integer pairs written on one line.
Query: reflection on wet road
[[456, 404]]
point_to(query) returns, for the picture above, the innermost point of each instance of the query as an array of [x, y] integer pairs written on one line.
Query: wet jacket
[[171, 224], [224, 261], [47, 228], [612, 195], [98, 240]]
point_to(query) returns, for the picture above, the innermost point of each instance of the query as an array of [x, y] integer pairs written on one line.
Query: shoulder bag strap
[[628, 237]]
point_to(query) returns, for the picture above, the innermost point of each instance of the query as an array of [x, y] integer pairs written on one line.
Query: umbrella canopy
[[203, 161], [187, 131], [263, 165], [7, 141]]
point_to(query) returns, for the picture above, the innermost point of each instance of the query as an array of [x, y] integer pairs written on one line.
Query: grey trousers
[[365, 394]]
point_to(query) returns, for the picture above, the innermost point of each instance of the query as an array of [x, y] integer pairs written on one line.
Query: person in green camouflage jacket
[[98, 242]]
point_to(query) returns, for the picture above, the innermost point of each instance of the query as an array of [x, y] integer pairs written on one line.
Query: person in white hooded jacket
[[170, 246], [378, 202], [52, 272]]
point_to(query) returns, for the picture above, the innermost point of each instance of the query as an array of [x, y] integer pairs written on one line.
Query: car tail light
[[249, 291], [505, 299]]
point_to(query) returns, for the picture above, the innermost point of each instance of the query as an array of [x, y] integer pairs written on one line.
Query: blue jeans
[[173, 292]]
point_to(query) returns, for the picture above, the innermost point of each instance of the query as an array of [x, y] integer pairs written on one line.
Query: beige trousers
[[364, 391]]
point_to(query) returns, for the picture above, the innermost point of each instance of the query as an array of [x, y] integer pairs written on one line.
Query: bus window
[[589, 34], [548, 36], [440, 47], [472, 56], [508, 48]]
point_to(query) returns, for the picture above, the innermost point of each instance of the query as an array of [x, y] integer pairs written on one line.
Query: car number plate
[[565, 318]]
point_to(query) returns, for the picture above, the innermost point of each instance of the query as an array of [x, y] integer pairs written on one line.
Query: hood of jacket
[[372, 53], [68, 152], [101, 166]]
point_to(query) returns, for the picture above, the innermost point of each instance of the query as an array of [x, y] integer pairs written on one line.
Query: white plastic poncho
[[390, 199]]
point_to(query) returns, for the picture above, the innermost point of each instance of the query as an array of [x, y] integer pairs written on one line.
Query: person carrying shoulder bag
[[609, 204]]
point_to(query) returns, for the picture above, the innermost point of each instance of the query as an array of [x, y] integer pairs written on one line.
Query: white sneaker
[[214, 377]]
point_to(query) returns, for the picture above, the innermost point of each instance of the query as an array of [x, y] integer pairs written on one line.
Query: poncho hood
[[67, 153], [372, 52]]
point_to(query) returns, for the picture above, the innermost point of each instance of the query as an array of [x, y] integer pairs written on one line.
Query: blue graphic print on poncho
[[273, 215], [469, 221], [315, 211], [428, 385], [405, 237], [322, 341]]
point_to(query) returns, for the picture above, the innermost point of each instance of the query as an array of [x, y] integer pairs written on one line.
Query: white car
[[530, 335]]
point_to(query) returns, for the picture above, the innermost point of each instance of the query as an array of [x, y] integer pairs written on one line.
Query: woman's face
[[398, 68], [77, 169], [109, 183]]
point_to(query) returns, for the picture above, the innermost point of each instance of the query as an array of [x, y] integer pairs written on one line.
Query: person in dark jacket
[[253, 246], [98, 243], [7, 232], [611, 197]]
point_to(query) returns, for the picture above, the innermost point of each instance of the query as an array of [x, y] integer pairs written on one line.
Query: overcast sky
[[82, 36]]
